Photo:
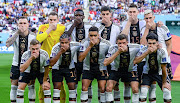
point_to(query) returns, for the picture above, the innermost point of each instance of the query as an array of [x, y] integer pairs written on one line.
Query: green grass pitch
[[5, 65]]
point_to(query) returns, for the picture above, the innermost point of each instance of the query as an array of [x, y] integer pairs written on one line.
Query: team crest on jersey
[[168, 34], [163, 59], [40, 32]]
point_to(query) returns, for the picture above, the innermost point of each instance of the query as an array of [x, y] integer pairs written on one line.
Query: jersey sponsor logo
[[168, 34], [163, 59], [40, 32]]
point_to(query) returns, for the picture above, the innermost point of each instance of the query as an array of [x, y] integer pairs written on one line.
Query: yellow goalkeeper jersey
[[49, 40]]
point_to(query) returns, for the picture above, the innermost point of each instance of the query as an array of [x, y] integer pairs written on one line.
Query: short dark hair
[[33, 29], [23, 17], [64, 36], [79, 10], [152, 36], [121, 37], [53, 13], [105, 8], [133, 6], [34, 42], [93, 28]]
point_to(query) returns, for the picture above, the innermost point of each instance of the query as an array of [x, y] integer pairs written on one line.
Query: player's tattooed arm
[[12, 39]]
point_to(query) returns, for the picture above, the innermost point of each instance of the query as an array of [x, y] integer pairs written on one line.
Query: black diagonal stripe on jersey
[[35, 65], [94, 55], [154, 31], [124, 61], [23, 46], [153, 63], [80, 34], [135, 33], [66, 59], [106, 33]]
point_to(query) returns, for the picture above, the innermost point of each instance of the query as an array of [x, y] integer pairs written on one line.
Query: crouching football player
[[63, 66], [154, 69], [34, 64]]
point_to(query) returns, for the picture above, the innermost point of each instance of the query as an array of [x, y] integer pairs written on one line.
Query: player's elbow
[[80, 59], [7, 45], [105, 63], [51, 63], [22, 69], [135, 61]]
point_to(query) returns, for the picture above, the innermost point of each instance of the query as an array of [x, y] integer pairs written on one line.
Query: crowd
[[37, 12], [120, 8]]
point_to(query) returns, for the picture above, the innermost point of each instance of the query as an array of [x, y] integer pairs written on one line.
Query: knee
[[109, 89], [84, 88], [127, 84], [32, 82], [21, 87], [135, 90], [116, 87], [102, 89], [71, 87], [57, 86], [14, 82]]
